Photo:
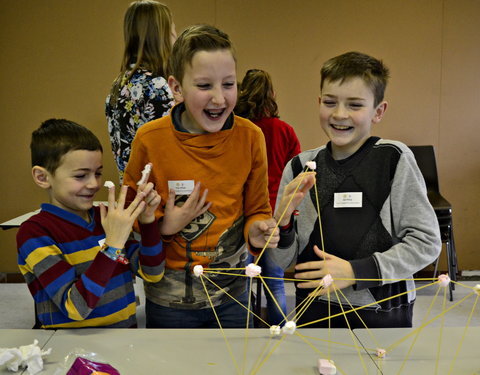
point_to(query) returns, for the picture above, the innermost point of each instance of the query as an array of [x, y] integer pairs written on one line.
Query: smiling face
[[75, 182], [208, 89], [347, 113]]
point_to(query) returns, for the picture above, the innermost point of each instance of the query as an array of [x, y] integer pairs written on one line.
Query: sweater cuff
[[150, 233], [287, 235], [365, 268]]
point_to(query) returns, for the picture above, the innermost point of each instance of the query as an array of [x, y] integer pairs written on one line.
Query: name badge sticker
[[347, 200], [182, 187]]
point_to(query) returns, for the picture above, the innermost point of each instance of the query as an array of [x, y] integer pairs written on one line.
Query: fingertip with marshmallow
[[109, 184], [145, 173]]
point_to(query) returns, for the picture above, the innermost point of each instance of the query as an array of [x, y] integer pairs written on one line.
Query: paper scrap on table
[[26, 356]]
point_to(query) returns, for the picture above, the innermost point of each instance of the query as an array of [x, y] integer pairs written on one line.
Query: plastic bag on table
[[81, 362]]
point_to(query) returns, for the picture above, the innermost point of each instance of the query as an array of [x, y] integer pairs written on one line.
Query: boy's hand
[[260, 231], [337, 267], [117, 220], [152, 199], [284, 209], [178, 217]]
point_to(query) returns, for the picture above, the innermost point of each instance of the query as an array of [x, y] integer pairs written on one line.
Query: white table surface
[[204, 351], [423, 356], [17, 221]]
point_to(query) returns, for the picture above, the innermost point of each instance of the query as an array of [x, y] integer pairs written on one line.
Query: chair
[[425, 157]]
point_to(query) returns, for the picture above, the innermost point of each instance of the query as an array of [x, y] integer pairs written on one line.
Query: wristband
[[286, 227], [114, 253]]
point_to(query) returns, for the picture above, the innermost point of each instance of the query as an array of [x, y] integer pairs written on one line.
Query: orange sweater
[[232, 165]]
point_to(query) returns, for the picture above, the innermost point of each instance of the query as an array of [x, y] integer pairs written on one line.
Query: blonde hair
[[195, 39], [147, 28], [257, 98]]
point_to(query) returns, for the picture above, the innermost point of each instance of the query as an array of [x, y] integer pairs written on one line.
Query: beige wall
[[59, 57]]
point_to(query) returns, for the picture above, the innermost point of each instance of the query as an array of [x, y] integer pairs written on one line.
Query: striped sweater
[[74, 284]]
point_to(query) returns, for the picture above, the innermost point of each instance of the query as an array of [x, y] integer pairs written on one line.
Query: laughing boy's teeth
[[213, 113], [341, 127]]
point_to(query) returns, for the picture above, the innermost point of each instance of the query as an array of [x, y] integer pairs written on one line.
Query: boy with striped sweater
[[77, 259]]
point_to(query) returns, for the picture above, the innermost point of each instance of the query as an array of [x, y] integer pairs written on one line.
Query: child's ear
[[41, 177], [379, 112], [176, 89]]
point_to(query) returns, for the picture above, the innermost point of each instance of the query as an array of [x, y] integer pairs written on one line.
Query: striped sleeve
[[50, 273], [148, 257]]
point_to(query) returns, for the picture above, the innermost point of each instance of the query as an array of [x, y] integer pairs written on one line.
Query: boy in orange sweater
[[202, 142]]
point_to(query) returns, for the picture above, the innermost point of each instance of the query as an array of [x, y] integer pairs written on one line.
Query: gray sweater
[[393, 235]]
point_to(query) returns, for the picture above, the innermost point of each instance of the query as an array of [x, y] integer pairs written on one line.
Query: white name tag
[[347, 200], [184, 187]]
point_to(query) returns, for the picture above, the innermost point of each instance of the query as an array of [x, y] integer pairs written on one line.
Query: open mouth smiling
[[341, 127], [214, 113]]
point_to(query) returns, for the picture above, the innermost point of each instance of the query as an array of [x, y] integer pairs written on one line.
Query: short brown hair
[[55, 138], [195, 39], [356, 64]]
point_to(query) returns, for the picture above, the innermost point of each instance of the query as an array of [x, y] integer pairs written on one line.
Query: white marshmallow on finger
[[146, 171], [109, 184]]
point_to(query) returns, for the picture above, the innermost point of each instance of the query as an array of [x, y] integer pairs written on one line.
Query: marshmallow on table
[[253, 270], [289, 327], [145, 173], [380, 353], [275, 330], [476, 289], [326, 367]]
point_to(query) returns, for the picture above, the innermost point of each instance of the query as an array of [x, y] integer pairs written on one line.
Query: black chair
[[425, 157]]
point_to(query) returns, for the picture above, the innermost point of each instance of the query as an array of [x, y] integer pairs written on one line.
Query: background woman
[[140, 93], [256, 102]]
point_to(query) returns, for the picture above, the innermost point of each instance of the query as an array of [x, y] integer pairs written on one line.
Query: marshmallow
[[145, 173], [326, 367], [444, 280], [253, 270], [198, 270], [311, 165], [27, 356], [109, 184], [275, 330], [289, 327], [327, 280], [476, 289], [380, 353]]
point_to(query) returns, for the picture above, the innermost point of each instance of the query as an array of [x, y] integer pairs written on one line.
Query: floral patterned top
[[143, 98]]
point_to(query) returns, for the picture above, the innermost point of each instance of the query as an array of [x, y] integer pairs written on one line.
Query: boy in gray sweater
[[377, 226]]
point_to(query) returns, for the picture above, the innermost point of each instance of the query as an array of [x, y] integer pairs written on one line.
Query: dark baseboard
[[11, 277]]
